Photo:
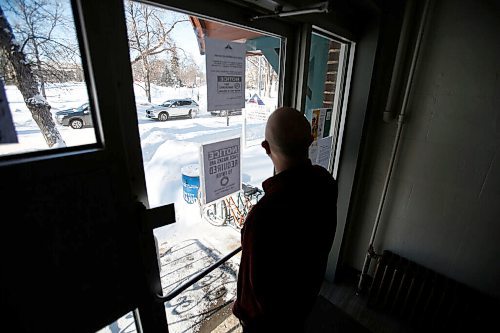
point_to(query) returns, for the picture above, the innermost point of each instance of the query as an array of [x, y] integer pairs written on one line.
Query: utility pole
[[259, 81]]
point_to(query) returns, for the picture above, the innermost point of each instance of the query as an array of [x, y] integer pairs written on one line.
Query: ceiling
[[273, 6], [206, 28]]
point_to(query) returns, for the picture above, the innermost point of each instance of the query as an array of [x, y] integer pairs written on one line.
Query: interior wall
[[363, 56], [443, 205]]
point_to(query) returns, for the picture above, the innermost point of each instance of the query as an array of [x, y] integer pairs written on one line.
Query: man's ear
[[266, 147]]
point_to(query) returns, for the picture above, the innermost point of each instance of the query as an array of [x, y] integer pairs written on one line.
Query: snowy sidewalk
[[203, 306], [187, 247]]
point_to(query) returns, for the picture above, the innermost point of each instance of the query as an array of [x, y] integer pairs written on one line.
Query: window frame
[[118, 131], [276, 28], [99, 145], [345, 65]]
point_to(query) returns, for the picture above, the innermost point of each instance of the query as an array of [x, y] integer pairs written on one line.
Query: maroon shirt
[[285, 244]]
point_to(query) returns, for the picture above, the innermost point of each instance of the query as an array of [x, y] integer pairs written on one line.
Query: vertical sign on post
[[225, 75], [221, 169]]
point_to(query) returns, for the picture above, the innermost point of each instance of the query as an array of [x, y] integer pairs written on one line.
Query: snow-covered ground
[[68, 96], [191, 243]]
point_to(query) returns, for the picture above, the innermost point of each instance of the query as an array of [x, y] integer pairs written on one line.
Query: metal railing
[[171, 295]]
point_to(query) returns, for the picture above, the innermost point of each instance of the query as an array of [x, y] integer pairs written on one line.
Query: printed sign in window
[[225, 75], [320, 123], [229, 84], [221, 174], [320, 150]]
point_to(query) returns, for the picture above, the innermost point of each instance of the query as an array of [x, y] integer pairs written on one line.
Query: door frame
[[104, 47], [114, 42]]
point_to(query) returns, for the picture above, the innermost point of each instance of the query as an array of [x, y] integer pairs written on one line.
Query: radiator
[[427, 299]]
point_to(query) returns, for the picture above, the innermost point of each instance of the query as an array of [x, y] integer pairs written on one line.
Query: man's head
[[288, 137]]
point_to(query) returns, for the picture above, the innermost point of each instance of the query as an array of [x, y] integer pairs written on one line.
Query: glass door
[[169, 51]]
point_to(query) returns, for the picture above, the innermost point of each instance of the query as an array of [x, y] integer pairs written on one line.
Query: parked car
[[184, 107], [224, 113], [76, 118]]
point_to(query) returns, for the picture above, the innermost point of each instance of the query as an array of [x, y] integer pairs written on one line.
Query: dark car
[[76, 118]]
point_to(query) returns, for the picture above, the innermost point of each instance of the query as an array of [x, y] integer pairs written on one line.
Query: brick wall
[[331, 74]]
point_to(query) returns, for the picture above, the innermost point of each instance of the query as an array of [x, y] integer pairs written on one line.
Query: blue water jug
[[190, 182]]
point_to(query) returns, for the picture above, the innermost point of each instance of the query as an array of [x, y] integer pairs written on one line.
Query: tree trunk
[[269, 79], [26, 83], [147, 79], [39, 68]]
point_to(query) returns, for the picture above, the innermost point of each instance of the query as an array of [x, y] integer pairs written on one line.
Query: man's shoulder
[[321, 172], [265, 204], [321, 177]]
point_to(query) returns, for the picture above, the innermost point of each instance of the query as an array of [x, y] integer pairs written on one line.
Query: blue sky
[[185, 38], [182, 34]]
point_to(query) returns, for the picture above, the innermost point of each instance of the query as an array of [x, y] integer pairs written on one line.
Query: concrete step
[[230, 325], [221, 321]]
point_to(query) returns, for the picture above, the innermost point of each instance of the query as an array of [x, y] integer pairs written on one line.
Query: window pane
[[169, 66], [172, 70], [43, 76], [323, 72], [323, 98]]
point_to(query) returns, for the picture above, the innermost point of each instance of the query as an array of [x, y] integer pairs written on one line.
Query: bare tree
[[149, 35], [27, 84], [175, 68], [251, 72], [270, 77], [41, 28], [189, 71], [260, 74], [7, 73]]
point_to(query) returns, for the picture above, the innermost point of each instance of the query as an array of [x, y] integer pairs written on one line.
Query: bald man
[[288, 234]]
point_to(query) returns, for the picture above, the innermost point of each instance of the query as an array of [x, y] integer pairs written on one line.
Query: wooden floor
[[343, 296]]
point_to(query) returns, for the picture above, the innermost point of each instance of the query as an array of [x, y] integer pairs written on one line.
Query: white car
[[184, 107]]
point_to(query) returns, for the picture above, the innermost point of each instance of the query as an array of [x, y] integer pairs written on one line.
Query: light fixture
[[322, 7]]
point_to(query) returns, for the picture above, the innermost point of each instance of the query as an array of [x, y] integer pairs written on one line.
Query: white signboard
[[257, 112], [7, 131], [320, 151], [221, 172], [225, 75], [324, 151]]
